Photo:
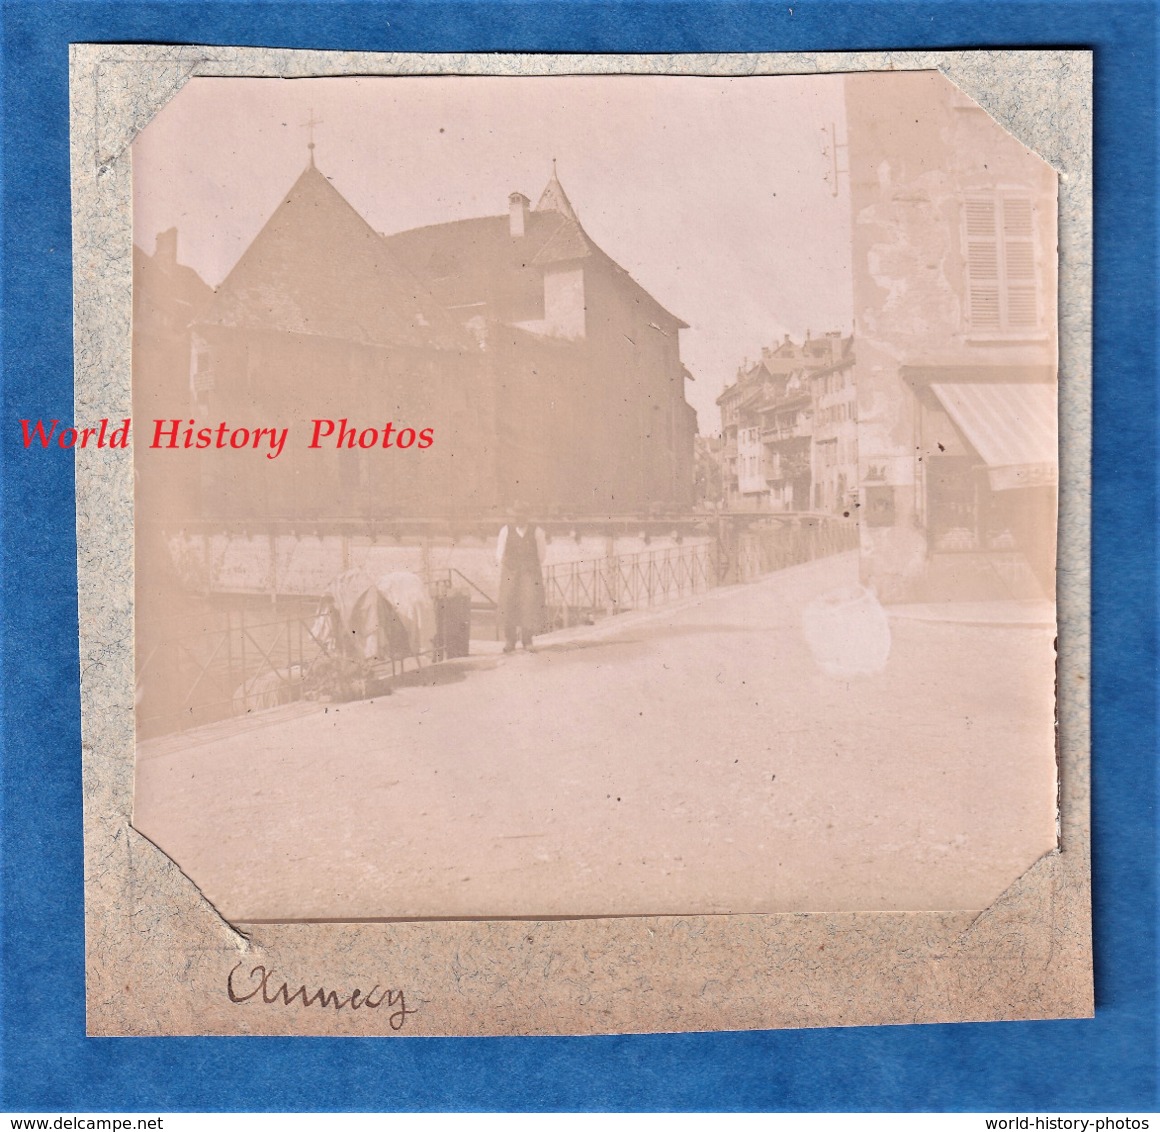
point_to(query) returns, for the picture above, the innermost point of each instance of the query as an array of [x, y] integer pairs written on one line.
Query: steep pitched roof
[[317, 267], [471, 262], [464, 261]]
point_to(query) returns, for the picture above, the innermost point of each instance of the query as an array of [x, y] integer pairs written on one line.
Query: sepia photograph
[[593, 496]]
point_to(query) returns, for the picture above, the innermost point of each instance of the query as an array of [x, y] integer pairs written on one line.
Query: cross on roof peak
[[309, 124]]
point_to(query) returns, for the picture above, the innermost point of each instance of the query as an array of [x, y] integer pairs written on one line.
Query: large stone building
[[543, 371], [589, 386], [954, 283]]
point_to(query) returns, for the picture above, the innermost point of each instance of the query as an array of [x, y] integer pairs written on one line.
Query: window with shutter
[[1002, 288]]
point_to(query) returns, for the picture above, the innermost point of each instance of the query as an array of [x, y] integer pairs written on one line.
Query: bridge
[[246, 640]]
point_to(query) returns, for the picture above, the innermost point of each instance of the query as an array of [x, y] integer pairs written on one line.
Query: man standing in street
[[520, 554]]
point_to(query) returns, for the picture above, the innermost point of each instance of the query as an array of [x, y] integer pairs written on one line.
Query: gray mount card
[[582, 544]]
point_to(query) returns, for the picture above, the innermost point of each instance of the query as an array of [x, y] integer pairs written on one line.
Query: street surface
[[692, 759]]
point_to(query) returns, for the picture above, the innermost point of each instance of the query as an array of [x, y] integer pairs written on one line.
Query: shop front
[[987, 473]]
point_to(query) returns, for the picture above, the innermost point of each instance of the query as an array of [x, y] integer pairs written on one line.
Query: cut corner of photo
[[544, 550]]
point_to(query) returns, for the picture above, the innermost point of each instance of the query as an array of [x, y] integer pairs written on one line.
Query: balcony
[[799, 431]]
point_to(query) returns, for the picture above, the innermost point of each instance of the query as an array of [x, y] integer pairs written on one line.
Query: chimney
[[167, 247], [518, 207]]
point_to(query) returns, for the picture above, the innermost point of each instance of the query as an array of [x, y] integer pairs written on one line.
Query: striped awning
[[1013, 427]]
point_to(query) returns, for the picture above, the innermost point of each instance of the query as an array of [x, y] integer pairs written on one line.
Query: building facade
[[789, 439], [954, 285], [834, 448], [541, 369], [590, 388]]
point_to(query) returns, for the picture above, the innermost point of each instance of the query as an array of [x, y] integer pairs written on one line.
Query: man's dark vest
[[520, 551]]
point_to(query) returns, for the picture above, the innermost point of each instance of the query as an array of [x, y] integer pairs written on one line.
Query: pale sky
[[711, 192]]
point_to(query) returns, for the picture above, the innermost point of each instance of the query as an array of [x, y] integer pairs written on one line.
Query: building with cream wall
[[954, 289]]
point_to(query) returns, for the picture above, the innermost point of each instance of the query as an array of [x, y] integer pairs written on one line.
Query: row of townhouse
[[789, 428]]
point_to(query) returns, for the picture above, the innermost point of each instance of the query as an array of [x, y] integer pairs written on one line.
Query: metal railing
[[763, 549], [575, 591], [191, 674], [195, 672]]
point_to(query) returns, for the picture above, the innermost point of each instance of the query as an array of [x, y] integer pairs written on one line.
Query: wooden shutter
[[1019, 262], [983, 263], [1002, 288]]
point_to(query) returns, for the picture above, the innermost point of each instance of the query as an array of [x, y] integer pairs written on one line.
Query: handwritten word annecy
[[261, 983], [187, 433]]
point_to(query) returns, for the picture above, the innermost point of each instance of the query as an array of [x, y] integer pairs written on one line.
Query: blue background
[[47, 1063]]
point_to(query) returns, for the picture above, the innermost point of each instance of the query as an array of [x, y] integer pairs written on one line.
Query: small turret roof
[[554, 199]]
